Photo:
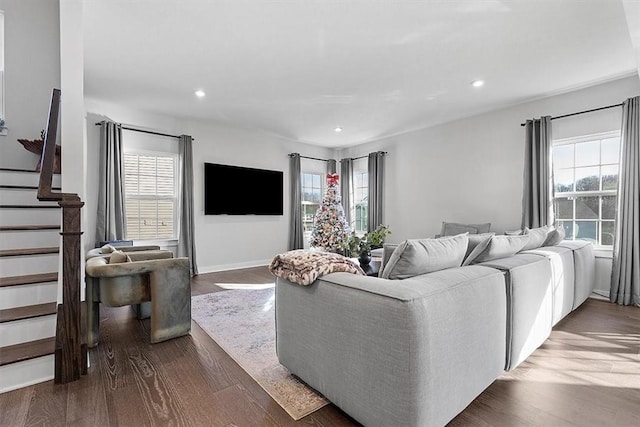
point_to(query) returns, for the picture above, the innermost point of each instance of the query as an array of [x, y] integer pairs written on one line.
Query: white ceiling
[[376, 68]]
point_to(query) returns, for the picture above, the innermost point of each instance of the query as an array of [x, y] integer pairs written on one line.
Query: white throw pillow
[[555, 236]]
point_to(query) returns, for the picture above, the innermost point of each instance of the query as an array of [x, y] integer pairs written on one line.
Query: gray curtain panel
[[296, 233], [625, 274], [111, 219], [331, 166], [537, 197], [186, 233], [346, 172], [376, 190]]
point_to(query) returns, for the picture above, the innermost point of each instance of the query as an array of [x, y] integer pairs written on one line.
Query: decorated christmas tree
[[330, 226]]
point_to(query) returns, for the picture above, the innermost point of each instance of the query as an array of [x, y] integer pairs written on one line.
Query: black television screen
[[237, 190]]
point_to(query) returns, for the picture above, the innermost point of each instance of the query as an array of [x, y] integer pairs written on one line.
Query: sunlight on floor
[[246, 285], [586, 358]]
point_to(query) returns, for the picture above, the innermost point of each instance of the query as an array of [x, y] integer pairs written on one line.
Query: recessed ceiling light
[[477, 83], [338, 129], [200, 93]]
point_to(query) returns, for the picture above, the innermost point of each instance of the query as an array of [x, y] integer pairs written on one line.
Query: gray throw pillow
[[555, 236], [455, 228], [477, 244], [118, 257], [502, 247], [537, 237], [387, 251], [420, 256]]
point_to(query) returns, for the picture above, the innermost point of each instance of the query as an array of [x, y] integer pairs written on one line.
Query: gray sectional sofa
[[416, 351]]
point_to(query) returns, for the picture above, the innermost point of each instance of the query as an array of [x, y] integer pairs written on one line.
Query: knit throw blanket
[[303, 266]]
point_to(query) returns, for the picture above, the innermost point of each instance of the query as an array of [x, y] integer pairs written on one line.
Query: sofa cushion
[[420, 256], [537, 237], [555, 236], [118, 257], [502, 247], [477, 244], [455, 228]]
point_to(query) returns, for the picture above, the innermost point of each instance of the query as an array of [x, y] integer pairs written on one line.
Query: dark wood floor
[[586, 374]]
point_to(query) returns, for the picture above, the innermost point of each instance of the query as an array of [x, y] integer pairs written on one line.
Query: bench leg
[[93, 311]]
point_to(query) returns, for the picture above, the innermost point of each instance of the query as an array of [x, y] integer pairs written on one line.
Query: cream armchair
[[163, 283]]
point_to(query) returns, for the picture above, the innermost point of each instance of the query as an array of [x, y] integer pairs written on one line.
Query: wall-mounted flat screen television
[[238, 190]]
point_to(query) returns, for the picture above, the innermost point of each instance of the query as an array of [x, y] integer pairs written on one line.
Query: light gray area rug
[[242, 322]]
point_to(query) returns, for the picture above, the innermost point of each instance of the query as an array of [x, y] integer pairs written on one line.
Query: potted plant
[[354, 245]]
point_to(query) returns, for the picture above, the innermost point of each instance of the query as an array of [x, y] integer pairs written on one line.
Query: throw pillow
[[107, 249], [477, 244], [118, 257], [455, 228], [502, 247], [537, 237], [387, 251], [420, 256], [555, 236], [513, 232]]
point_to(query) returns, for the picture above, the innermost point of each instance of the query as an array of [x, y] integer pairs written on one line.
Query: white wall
[[470, 170], [32, 70], [222, 242]]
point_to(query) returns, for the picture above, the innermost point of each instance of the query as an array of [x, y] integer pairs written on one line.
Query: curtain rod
[[147, 131], [581, 112], [305, 157], [384, 153]]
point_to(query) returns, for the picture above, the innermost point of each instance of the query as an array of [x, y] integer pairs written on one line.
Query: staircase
[[29, 265]]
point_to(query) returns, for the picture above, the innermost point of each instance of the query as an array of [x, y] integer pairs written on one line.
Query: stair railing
[[71, 348]]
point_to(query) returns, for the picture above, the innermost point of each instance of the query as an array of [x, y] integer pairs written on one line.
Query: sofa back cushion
[[477, 244], [420, 256], [537, 237], [455, 228], [555, 236], [502, 247]]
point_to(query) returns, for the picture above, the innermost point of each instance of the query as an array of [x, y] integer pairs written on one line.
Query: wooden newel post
[[71, 347]]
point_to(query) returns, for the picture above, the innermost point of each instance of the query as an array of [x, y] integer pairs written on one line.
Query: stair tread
[[28, 350], [22, 187], [31, 171], [29, 251], [29, 227], [28, 279], [27, 312]]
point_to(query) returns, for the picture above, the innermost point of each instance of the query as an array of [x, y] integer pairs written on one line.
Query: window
[[311, 199], [586, 180], [150, 195], [361, 200]]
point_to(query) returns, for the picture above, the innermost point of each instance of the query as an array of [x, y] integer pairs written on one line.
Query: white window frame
[[307, 233], [573, 194], [174, 198], [360, 168]]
